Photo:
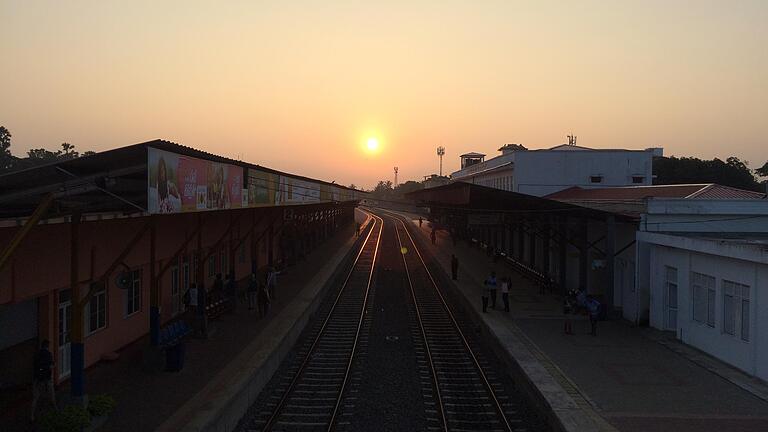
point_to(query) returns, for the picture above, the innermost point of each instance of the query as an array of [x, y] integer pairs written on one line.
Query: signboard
[[178, 184]]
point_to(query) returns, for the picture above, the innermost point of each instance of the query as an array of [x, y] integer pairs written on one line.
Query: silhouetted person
[[420, 221], [433, 236], [357, 229], [253, 290], [454, 267], [488, 286], [264, 300], [218, 285], [42, 381]]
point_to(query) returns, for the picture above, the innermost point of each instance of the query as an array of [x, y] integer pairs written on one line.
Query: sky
[[300, 86]]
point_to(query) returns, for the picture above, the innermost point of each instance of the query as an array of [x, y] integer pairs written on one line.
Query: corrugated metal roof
[[698, 191]]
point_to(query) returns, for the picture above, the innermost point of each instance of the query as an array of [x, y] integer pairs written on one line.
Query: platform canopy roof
[[468, 197], [113, 181]]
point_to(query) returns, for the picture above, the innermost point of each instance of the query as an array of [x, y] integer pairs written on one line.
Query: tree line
[[34, 157]]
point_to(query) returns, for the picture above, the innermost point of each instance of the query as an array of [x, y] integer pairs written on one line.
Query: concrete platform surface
[[622, 379]]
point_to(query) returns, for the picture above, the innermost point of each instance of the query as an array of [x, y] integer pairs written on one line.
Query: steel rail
[[281, 404], [423, 336], [492, 393]]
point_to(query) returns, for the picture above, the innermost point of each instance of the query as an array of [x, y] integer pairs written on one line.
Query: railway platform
[[216, 368], [626, 378]]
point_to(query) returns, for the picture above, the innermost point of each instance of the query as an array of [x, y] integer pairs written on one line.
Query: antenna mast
[[440, 153], [395, 176]]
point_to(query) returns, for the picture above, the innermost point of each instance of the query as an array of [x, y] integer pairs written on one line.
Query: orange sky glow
[[301, 86]]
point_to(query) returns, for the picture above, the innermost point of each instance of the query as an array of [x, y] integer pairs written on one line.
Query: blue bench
[[174, 333]]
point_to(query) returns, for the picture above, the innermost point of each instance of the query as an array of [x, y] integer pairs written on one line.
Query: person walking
[[454, 267], [433, 237], [505, 292], [253, 290], [489, 286], [42, 381], [420, 221]]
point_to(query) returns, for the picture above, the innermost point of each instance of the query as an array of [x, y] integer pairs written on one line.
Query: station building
[[691, 259], [545, 171], [98, 251]]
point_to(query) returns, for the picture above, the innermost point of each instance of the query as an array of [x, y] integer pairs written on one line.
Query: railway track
[[466, 396], [309, 395]]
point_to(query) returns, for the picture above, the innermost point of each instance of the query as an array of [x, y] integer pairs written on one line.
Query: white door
[[65, 323], [671, 298]]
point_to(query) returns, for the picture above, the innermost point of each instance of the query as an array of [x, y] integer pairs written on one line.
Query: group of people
[[491, 286], [577, 303], [260, 296]]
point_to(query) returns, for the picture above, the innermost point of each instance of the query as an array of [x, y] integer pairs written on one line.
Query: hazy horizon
[[300, 87]]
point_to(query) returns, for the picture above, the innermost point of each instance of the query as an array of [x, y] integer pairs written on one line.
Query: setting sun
[[373, 144]]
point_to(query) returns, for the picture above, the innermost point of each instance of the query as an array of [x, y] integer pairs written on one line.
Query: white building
[[542, 172], [704, 265]]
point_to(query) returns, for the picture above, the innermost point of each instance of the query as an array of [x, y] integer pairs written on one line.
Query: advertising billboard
[[178, 183]]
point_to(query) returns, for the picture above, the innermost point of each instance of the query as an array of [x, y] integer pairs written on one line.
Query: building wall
[[40, 270], [541, 173], [751, 356]]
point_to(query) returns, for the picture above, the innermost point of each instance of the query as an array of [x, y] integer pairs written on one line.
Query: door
[[671, 298], [65, 324], [176, 304]]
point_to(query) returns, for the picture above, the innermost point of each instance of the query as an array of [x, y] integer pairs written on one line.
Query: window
[[671, 295], [97, 310], [133, 294], [224, 262], [212, 265], [176, 305], [638, 179], [596, 179], [703, 294], [736, 309]]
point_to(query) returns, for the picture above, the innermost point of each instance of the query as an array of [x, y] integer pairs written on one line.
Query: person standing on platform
[[454, 267], [569, 308], [264, 300], [253, 290], [231, 290], [357, 229], [593, 309], [42, 381], [492, 288], [433, 236], [505, 292], [420, 221], [488, 288], [272, 283]]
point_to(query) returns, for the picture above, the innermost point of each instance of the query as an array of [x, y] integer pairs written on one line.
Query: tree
[[383, 189], [6, 158], [762, 171], [352, 186], [733, 172], [409, 186]]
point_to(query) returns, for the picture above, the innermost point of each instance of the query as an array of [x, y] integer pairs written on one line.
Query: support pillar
[[520, 240], [532, 241], [563, 254], [583, 254], [545, 250], [77, 354], [610, 248], [154, 289], [270, 244]]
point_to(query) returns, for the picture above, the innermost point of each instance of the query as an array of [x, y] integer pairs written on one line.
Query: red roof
[[697, 191]]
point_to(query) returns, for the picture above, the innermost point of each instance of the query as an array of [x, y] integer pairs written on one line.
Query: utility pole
[[440, 153], [395, 176]]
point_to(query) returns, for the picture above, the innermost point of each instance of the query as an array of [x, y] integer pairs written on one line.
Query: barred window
[[133, 294], [703, 293], [97, 311], [736, 309]]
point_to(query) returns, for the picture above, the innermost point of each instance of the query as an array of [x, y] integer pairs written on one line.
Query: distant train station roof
[[699, 191], [109, 181], [471, 197]]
